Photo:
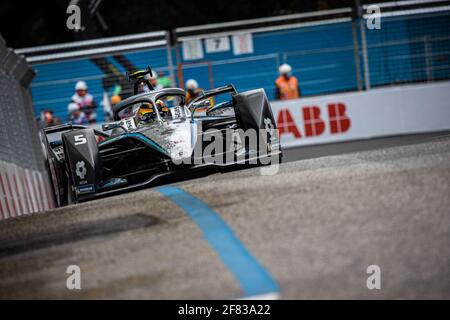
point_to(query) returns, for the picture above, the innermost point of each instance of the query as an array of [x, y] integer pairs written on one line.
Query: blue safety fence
[[409, 48], [322, 58], [54, 84]]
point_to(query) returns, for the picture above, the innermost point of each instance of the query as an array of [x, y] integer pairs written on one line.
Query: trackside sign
[[361, 115], [314, 120]]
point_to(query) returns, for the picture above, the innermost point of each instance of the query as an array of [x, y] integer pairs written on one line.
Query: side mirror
[[125, 124], [111, 126], [202, 104]]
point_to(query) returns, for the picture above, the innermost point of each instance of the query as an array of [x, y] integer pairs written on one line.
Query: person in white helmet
[[86, 101], [192, 90], [154, 81], [76, 116], [286, 85]]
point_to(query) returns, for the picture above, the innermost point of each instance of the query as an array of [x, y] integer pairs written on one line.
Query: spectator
[[164, 81], [108, 104], [192, 90], [154, 81], [86, 101], [76, 116], [115, 99], [110, 100], [48, 119], [286, 86]]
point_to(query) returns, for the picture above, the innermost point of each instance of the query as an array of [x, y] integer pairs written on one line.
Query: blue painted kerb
[[253, 278]]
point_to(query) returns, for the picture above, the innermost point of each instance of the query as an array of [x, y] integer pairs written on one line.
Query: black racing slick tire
[[56, 172]]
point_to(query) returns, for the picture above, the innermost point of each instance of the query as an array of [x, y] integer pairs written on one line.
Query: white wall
[[375, 113]]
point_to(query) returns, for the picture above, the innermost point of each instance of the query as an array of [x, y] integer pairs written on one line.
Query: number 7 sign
[[219, 44]]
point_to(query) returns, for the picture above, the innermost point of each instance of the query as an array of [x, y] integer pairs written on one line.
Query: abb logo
[[314, 124]]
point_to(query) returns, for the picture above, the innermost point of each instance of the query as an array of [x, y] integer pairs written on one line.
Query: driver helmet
[[146, 112], [162, 107]]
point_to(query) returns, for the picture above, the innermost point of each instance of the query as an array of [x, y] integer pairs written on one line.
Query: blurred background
[[326, 43], [360, 94]]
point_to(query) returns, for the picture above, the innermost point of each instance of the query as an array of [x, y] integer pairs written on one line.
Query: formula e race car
[[156, 135]]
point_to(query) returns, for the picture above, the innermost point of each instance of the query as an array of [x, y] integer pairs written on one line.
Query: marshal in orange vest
[[288, 87]]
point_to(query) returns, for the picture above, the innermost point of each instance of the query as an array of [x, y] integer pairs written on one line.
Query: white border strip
[[81, 53], [85, 43], [410, 12], [401, 3], [263, 20], [265, 29]]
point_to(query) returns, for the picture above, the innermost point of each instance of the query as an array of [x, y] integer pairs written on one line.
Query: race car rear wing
[[211, 93], [220, 90], [214, 92]]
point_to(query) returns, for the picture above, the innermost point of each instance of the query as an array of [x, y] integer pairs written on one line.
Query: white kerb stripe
[[3, 198], [26, 191], [43, 192], [38, 195], [8, 194], [20, 190], [31, 188]]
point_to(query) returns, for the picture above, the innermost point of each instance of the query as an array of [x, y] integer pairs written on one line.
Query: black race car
[[156, 135]]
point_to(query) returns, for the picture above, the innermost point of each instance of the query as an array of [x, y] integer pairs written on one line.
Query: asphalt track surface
[[309, 232]]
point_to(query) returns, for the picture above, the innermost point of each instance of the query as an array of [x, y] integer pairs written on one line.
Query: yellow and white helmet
[[146, 112]]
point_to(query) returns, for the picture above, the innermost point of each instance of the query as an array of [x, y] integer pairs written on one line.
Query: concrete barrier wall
[[24, 182], [366, 114]]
